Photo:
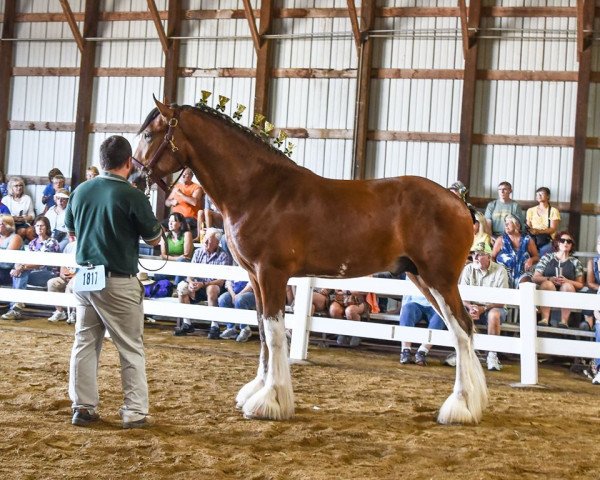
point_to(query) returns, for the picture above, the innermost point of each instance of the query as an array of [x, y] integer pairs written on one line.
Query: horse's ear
[[165, 110]]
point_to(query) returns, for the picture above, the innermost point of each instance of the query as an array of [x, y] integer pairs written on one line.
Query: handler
[[108, 216]]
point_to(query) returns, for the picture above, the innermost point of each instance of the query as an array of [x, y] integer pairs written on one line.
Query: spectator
[[179, 244], [559, 270], [458, 188], [212, 215], [320, 300], [91, 172], [516, 252], [196, 290], [3, 185], [56, 216], [138, 180], [239, 294], [497, 209], [58, 182], [543, 221], [9, 240], [483, 272], [350, 305], [20, 206], [592, 281], [414, 309], [479, 232], [64, 283], [186, 198], [596, 379], [37, 275]]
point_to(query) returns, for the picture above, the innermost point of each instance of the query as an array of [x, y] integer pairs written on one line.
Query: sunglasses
[[566, 240]]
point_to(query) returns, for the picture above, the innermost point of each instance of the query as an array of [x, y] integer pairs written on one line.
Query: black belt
[[119, 275]]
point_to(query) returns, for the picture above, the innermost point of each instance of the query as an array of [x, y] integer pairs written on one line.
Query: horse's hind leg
[[259, 381], [470, 396], [275, 399]]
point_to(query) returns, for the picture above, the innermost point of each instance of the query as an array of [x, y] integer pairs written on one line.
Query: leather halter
[[167, 142]]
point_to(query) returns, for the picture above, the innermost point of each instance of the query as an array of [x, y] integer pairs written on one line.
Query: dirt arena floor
[[359, 415]]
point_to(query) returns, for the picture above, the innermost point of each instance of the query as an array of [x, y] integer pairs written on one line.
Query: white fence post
[[528, 322], [302, 314]]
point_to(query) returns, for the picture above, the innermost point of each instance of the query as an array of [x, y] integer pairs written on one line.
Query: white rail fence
[[528, 345]]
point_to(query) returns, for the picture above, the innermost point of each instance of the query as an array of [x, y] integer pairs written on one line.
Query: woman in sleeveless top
[[9, 240], [561, 271], [179, 246], [593, 283], [516, 252]]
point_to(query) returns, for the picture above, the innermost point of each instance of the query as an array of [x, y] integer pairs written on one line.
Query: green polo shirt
[[108, 216]]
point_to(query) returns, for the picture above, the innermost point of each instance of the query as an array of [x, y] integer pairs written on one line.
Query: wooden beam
[[6, 61], [586, 22], [263, 61], [164, 42], [363, 91], [354, 23], [467, 114], [85, 93], [462, 6], [173, 52], [72, 24], [252, 24]]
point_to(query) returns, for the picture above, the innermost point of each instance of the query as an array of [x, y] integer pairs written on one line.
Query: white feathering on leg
[[275, 400], [253, 386]]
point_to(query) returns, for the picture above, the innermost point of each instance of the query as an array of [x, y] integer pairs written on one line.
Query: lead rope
[[164, 238]]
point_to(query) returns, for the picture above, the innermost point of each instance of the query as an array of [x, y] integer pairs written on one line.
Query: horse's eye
[[147, 135]]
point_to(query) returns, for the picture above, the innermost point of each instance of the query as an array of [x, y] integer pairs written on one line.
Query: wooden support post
[[263, 61], [72, 24], [252, 24], [363, 92], [164, 42], [585, 22], [85, 93], [354, 23], [467, 114], [6, 64]]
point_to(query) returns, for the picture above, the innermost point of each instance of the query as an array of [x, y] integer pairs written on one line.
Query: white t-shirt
[[56, 219], [22, 206]]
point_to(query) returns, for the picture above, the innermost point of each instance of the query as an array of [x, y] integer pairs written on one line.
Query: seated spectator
[[20, 206], [195, 290], [49, 189], [414, 309], [37, 275], [350, 305], [64, 283], [596, 379], [91, 172], [238, 295], [542, 221], [179, 246], [320, 300], [212, 217], [186, 198], [9, 240], [459, 189], [3, 185], [592, 281], [483, 272], [56, 217], [479, 232], [57, 183], [516, 252], [559, 270], [497, 209]]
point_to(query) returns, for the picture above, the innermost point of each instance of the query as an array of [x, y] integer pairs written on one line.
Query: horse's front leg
[[275, 399], [255, 385]]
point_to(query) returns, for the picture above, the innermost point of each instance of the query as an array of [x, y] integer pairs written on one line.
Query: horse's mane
[[225, 119]]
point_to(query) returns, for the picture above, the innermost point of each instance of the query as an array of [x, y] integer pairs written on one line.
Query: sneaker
[[12, 314], [354, 341], [72, 318], [450, 360], [82, 417], [421, 358], [184, 330], [405, 356], [133, 420], [596, 379], [343, 340], [214, 333], [244, 335], [229, 334], [492, 362], [58, 316], [20, 306]]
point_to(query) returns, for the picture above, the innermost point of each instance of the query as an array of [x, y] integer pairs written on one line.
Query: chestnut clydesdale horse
[[282, 220]]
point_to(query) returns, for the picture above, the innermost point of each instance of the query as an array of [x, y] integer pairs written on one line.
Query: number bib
[[90, 279]]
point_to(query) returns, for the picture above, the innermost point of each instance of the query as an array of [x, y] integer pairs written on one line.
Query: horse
[[281, 220]]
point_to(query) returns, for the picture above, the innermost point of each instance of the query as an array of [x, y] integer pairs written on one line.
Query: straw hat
[[144, 279]]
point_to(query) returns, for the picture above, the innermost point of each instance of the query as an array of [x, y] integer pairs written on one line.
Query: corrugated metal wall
[[403, 105]]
